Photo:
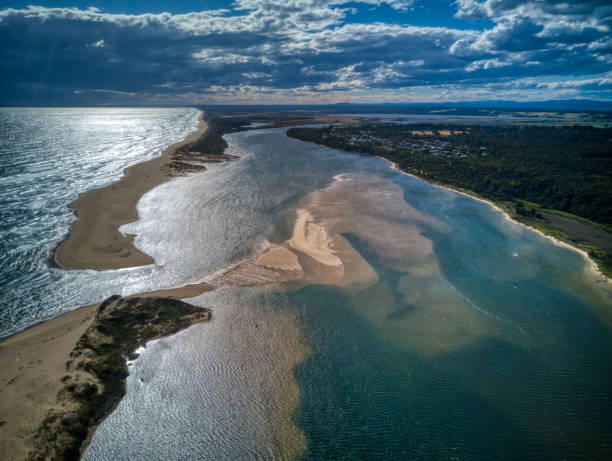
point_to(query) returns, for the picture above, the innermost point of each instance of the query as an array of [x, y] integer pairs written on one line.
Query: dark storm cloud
[[298, 49]]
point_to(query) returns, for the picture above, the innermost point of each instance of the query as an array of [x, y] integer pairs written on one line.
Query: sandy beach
[[95, 241], [32, 364]]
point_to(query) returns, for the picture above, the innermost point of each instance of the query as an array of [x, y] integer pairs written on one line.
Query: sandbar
[[311, 239], [279, 258]]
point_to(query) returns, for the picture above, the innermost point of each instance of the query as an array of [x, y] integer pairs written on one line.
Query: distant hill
[[458, 108], [557, 104]]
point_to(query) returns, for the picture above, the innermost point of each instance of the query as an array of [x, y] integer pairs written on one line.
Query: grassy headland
[[96, 372]]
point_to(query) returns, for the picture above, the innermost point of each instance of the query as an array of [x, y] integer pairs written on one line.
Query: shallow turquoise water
[[368, 396]]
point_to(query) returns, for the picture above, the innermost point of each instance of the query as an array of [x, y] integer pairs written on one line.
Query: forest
[[567, 168]]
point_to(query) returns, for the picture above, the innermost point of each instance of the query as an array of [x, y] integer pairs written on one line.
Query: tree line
[[568, 168]]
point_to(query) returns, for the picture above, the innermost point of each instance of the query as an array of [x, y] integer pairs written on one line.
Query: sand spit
[[119, 328], [33, 363], [95, 241]]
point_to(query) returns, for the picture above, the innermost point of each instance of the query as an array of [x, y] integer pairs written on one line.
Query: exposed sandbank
[[187, 291], [312, 255], [95, 241], [279, 258], [371, 212], [311, 239]]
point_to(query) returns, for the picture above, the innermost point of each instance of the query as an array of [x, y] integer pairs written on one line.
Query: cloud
[[216, 57], [401, 5], [299, 49], [601, 83]]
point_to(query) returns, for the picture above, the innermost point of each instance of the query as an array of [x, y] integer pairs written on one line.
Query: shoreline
[[33, 368], [36, 361], [182, 292], [593, 253], [94, 240], [32, 364], [591, 264], [96, 371]]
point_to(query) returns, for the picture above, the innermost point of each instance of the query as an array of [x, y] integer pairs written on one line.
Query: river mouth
[[422, 324]]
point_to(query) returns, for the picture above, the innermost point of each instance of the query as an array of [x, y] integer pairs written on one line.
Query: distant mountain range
[[557, 105]]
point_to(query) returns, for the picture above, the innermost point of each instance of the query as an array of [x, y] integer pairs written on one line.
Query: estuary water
[[477, 339]]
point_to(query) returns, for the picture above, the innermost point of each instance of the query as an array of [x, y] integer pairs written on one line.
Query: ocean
[[47, 158], [479, 338]]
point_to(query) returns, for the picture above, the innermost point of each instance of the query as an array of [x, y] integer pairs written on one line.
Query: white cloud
[[256, 75], [597, 82], [219, 57]]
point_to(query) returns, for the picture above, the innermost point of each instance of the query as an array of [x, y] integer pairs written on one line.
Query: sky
[[111, 52]]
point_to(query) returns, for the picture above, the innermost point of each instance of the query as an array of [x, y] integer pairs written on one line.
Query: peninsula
[[70, 372]]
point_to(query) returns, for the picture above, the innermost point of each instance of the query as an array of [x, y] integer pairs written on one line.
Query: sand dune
[[32, 364]]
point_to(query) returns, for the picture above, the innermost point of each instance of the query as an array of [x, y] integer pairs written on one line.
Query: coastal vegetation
[[96, 372], [212, 142], [531, 171], [208, 148]]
